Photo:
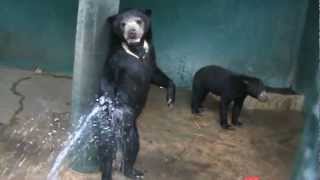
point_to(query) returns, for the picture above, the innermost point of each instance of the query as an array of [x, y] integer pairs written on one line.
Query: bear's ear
[[111, 18], [147, 12]]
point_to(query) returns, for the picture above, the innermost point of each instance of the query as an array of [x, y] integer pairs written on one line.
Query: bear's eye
[[122, 24], [139, 22]]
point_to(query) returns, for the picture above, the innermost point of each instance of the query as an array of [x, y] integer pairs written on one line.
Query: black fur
[[231, 87], [128, 80]]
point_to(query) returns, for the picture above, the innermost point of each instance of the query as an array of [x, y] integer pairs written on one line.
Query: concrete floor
[[175, 145]]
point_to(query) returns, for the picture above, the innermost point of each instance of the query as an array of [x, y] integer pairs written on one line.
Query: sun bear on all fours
[[231, 87], [128, 73]]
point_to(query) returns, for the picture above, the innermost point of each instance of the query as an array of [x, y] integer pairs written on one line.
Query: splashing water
[[111, 116], [53, 174]]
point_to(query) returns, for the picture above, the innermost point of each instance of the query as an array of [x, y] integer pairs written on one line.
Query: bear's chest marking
[[138, 64], [136, 56]]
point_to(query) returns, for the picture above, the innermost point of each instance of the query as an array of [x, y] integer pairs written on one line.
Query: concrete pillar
[[308, 160], [91, 49]]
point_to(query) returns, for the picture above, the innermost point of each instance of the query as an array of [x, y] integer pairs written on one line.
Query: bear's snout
[[132, 33], [263, 97]]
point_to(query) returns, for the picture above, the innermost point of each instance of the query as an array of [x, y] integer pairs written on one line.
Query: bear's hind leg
[[106, 169], [224, 104], [198, 97], [131, 153], [202, 98], [105, 154], [105, 144], [236, 109]]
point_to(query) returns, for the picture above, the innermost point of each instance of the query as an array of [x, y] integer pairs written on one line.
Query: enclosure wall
[[260, 38], [37, 33], [255, 37]]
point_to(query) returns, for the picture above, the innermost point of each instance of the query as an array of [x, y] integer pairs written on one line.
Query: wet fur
[[128, 80]]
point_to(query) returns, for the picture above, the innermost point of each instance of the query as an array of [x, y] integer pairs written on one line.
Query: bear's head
[[131, 26], [256, 89]]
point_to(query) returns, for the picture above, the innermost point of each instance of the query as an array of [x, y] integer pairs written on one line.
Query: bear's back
[[219, 80]]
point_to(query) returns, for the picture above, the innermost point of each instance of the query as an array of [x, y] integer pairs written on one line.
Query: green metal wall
[[38, 33], [260, 38]]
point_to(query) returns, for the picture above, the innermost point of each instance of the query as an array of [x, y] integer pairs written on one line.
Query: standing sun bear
[[129, 71], [231, 87]]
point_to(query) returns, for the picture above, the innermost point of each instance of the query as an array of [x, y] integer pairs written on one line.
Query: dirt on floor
[[178, 145], [175, 145]]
